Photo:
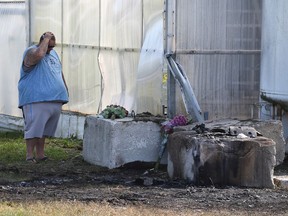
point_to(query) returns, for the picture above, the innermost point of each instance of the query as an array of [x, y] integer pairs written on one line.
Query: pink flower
[[179, 120]]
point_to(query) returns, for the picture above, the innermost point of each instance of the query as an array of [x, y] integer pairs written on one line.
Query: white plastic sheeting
[[100, 44], [121, 30], [76, 28], [150, 67], [12, 43]]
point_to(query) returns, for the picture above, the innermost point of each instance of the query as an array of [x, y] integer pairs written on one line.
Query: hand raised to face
[[48, 35]]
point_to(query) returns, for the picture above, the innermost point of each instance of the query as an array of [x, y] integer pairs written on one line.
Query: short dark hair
[[42, 37]]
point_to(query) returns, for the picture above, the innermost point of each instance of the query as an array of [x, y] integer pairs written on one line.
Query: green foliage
[[114, 111]]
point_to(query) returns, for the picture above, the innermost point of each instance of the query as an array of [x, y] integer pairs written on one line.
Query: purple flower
[[179, 120]]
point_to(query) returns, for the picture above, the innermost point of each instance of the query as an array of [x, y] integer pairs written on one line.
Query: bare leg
[[30, 145], [40, 148]]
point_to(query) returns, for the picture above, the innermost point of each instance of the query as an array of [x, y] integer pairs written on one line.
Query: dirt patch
[[135, 184]]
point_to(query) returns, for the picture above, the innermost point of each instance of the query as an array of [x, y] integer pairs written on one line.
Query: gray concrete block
[[113, 143], [70, 125], [272, 129], [11, 123]]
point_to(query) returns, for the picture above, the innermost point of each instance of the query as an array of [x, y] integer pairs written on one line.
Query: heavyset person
[[42, 92]]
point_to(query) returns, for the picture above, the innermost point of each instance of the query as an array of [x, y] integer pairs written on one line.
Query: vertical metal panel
[[214, 40], [169, 49]]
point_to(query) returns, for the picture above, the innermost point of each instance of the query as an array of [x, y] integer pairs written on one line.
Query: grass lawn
[[13, 148]]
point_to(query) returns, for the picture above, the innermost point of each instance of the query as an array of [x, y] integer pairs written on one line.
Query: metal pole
[[191, 103], [169, 40], [28, 28], [62, 28], [99, 109]]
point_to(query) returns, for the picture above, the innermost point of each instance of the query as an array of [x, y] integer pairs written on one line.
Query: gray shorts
[[41, 119]]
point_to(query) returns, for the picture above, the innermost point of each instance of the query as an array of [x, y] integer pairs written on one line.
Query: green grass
[[13, 148], [60, 149]]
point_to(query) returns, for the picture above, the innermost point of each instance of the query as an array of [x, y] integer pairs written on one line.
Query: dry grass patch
[[76, 208]]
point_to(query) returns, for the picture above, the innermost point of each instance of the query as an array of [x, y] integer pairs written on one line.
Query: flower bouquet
[[166, 129]]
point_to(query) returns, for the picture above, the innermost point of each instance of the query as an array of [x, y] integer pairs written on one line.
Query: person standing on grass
[[42, 92]]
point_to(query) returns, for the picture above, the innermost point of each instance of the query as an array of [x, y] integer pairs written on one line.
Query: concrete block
[[70, 125], [113, 143], [216, 158], [272, 129], [11, 123]]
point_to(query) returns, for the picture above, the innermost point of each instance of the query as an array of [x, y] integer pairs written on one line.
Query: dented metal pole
[[190, 101], [175, 72]]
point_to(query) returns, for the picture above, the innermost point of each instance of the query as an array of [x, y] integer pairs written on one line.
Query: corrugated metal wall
[[218, 44]]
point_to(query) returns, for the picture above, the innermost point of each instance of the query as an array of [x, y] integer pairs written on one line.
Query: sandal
[[31, 160], [45, 158]]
